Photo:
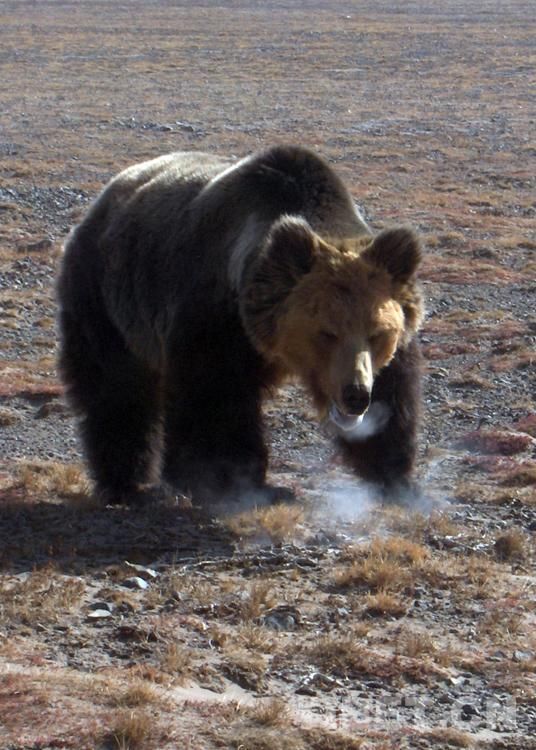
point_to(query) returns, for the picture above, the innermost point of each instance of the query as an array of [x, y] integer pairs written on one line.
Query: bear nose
[[355, 398]]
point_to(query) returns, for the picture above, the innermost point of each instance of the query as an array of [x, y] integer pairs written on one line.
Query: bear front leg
[[383, 451], [214, 441]]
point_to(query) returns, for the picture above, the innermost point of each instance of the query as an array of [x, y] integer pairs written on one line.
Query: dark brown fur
[[194, 285]]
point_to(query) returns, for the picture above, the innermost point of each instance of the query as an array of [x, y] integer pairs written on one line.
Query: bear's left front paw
[[407, 493]]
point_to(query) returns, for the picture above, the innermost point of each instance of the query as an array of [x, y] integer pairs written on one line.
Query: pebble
[[135, 582], [281, 618], [522, 655], [142, 571], [99, 614]]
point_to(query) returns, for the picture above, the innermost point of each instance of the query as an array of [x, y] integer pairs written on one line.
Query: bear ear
[[287, 256], [398, 251], [290, 250]]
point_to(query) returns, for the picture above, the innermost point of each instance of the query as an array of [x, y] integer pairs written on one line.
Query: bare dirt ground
[[333, 624]]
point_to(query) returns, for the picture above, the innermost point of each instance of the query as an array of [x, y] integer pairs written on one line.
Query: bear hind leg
[[117, 399]]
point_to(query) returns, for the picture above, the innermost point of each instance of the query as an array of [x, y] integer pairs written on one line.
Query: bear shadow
[[76, 536]]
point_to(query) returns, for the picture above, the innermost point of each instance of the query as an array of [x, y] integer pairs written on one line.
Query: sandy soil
[[332, 624]]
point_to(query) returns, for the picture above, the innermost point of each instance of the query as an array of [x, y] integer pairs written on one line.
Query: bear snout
[[355, 398]]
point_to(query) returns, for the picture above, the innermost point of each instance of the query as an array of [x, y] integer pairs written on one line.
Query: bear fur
[[197, 284]]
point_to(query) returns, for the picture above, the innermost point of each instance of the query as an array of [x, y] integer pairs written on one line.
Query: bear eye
[[375, 339], [378, 341]]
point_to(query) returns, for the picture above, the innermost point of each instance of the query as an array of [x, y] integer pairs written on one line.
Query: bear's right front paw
[[278, 494]]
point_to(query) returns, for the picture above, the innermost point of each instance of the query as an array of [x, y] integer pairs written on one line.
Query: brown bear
[[196, 284]]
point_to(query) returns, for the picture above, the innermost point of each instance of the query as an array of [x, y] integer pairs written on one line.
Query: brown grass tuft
[[245, 668], [255, 638], [277, 522], [321, 738], [8, 417], [255, 600], [273, 712], [177, 660], [383, 566], [384, 604], [449, 737], [53, 477], [510, 545], [130, 730], [39, 597], [138, 693], [248, 737], [416, 643]]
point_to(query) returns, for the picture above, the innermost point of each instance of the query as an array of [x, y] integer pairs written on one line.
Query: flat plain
[[333, 623]]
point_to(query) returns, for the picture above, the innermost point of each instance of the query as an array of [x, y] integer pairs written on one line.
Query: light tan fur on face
[[341, 323]]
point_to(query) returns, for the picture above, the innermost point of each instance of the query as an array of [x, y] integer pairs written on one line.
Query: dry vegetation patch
[[361, 626], [40, 597]]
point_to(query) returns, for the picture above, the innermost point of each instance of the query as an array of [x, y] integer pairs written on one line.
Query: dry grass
[[384, 565], [273, 712], [270, 79], [53, 478], [131, 730], [449, 737], [522, 476], [43, 596], [416, 643], [137, 693], [177, 660], [246, 736], [268, 726], [502, 627], [510, 545], [8, 417], [320, 738], [258, 597], [343, 655], [373, 574], [245, 668], [276, 523], [384, 604], [255, 638]]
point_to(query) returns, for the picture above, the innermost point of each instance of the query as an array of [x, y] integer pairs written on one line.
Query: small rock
[[522, 656], [101, 605], [52, 407], [305, 690], [317, 680], [467, 711], [142, 571], [37, 246], [99, 614], [135, 582], [279, 622], [281, 618]]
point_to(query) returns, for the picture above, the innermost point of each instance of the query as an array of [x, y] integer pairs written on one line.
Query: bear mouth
[[345, 422]]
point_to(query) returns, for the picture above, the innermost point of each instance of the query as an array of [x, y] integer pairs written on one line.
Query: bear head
[[332, 312]]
